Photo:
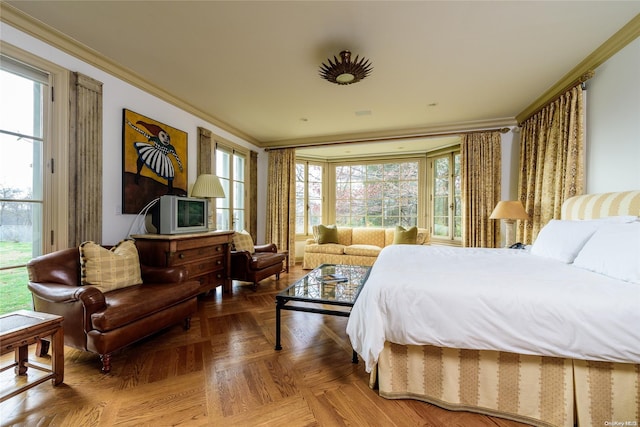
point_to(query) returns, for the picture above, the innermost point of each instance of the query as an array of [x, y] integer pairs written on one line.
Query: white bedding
[[494, 299]]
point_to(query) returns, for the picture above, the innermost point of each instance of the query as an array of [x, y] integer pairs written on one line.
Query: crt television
[[178, 214]]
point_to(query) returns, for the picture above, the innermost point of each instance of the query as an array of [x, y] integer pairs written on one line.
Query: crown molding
[[59, 40], [425, 132], [606, 50]]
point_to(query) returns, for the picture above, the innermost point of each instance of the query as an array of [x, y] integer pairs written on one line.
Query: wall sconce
[[509, 211], [207, 186]]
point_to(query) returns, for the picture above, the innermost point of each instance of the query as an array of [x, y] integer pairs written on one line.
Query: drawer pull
[[181, 256], [218, 248], [219, 276], [219, 262]]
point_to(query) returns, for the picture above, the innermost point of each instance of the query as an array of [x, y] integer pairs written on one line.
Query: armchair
[[254, 267], [105, 321]]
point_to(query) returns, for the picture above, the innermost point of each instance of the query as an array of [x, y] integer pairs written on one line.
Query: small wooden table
[[22, 328]]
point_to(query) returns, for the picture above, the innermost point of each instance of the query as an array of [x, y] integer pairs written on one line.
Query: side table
[[18, 330]]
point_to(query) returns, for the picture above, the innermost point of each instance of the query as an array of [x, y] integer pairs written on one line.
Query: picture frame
[[154, 161]]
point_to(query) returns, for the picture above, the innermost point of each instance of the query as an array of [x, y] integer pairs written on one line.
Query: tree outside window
[[309, 196], [377, 194]]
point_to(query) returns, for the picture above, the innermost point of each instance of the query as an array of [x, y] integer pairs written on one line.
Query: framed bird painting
[[154, 161]]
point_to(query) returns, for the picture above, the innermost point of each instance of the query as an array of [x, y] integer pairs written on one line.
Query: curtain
[[205, 163], [85, 160], [551, 161], [281, 200], [253, 194], [480, 162]]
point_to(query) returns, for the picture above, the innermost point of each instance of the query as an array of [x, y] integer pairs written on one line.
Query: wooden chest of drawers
[[205, 256]]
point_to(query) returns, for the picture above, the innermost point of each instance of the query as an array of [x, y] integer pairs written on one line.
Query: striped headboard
[[591, 206]]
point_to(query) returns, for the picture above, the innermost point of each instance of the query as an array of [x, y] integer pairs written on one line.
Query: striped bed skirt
[[537, 390]]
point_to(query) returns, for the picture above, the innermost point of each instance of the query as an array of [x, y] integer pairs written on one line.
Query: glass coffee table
[[328, 284]]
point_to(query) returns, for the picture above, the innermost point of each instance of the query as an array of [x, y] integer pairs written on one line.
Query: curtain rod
[[579, 81], [388, 138]]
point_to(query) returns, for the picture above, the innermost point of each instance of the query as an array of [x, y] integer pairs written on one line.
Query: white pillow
[[613, 250], [562, 239]]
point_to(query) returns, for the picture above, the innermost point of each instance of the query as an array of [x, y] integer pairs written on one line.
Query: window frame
[[232, 150], [421, 201], [308, 228], [450, 239], [55, 155]]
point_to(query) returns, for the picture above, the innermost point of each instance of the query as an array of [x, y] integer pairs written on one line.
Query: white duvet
[[494, 299]]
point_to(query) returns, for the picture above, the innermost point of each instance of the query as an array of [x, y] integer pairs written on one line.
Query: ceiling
[[253, 66]]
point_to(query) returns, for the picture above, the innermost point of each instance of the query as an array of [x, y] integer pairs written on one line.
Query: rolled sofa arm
[[91, 298], [152, 274], [75, 303], [269, 247]]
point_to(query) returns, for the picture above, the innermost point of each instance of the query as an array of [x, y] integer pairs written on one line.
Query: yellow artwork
[[154, 161]]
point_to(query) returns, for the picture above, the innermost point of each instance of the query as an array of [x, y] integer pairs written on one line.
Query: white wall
[[613, 123], [118, 95]]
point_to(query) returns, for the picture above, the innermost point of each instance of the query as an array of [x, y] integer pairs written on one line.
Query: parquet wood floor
[[224, 371]]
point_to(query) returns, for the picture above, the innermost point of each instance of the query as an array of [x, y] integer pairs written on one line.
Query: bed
[[548, 336]]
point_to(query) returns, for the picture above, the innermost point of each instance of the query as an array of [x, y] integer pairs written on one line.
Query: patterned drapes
[[480, 162], [281, 200], [551, 161], [85, 160]]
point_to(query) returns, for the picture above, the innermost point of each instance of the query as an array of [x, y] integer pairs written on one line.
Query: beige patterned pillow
[[112, 269], [242, 241]]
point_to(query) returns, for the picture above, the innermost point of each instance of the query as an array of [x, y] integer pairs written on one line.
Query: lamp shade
[[509, 209], [207, 185]]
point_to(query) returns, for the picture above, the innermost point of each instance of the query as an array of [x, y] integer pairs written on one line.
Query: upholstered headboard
[[591, 206]]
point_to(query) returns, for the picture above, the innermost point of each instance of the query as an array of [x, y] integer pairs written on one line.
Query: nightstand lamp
[[208, 186], [509, 211]]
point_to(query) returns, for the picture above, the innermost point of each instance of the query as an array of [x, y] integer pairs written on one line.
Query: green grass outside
[[14, 294]]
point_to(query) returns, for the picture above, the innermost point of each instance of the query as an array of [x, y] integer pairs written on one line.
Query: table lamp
[[509, 211], [207, 186]]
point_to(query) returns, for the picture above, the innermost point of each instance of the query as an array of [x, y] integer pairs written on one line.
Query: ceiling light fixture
[[345, 72]]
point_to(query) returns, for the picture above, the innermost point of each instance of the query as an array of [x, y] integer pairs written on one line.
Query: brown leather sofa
[[105, 322], [257, 266]]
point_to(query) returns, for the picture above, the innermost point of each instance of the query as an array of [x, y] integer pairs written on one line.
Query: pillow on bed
[[327, 234], [408, 236], [613, 250], [562, 239]]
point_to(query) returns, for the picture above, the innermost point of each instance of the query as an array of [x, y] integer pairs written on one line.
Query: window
[[309, 196], [29, 224], [381, 194], [446, 202], [231, 169]]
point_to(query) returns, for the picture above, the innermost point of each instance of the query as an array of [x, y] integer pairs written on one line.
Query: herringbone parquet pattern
[[224, 371]]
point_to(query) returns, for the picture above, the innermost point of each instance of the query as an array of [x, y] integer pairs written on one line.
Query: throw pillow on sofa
[[242, 241], [327, 234], [109, 269], [408, 236]]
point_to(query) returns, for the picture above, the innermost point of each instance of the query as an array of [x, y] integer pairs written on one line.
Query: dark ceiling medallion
[[345, 72]]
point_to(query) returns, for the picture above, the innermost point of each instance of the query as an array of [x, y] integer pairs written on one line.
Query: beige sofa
[[356, 246]]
